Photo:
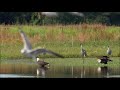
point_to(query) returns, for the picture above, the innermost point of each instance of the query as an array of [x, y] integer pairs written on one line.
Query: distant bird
[[56, 14], [33, 53], [50, 14], [109, 51], [83, 52], [103, 59]]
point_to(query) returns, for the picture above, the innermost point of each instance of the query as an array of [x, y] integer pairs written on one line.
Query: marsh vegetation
[[63, 39]]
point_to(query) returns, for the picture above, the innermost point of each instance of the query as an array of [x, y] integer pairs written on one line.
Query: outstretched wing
[[26, 42], [39, 51]]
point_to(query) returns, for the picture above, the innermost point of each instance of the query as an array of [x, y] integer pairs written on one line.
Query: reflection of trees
[[82, 71], [18, 68], [89, 71], [78, 71]]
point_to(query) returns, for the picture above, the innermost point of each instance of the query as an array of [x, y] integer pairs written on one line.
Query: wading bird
[[103, 59], [33, 53], [83, 52], [42, 63], [109, 51]]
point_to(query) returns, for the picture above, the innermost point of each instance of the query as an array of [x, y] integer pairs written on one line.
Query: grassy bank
[[79, 62], [65, 40], [65, 62]]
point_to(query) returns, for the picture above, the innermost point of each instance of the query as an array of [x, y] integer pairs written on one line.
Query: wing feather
[[26, 42], [39, 51]]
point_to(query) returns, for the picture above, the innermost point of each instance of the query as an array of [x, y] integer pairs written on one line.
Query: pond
[[60, 68]]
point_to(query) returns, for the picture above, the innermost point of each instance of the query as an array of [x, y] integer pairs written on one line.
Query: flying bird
[[33, 53], [56, 14], [50, 14]]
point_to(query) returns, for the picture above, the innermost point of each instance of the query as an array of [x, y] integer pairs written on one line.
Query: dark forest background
[[36, 18]]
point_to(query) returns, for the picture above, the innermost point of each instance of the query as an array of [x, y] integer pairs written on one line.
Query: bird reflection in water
[[41, 72], [103, 70], [83, 72]]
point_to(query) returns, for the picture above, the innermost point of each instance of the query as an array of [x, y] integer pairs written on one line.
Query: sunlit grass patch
[[63, 39]]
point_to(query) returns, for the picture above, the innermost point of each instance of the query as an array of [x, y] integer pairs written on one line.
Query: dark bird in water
[[42, 63], [103, 59]]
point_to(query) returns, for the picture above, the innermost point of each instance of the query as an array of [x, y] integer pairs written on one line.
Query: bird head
[[38, 59], [81, 45], [99, 60], [23, 51]]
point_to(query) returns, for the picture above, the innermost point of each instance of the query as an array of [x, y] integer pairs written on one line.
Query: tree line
[[36, 18]]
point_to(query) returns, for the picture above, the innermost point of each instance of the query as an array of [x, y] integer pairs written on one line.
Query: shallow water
[[29, 69]]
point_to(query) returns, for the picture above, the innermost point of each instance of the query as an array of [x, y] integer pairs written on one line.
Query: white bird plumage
[[56, 14], [33, 53]]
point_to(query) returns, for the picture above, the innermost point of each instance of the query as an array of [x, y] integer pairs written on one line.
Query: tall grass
[[63, 39]]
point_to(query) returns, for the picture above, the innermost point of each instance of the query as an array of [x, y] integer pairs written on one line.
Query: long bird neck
[[82, 48], [108, 48]]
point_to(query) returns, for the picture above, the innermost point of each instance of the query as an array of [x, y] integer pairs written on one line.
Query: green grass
[[79, 62], [67, 62], [65, 40]]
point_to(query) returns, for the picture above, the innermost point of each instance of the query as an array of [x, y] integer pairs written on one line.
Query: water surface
[[29, 69]]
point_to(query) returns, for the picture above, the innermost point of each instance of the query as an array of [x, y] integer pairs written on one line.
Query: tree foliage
[[109, 18]]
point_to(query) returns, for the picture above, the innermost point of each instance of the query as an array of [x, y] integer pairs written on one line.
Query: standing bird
[[83, 52], [42, 63], [33, 53], [109, 51]]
